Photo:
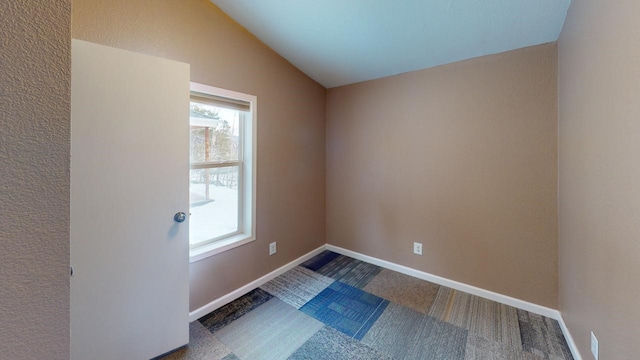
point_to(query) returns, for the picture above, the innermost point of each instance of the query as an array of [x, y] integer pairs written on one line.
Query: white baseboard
[[504, 299], [569, 338], [221, 301]]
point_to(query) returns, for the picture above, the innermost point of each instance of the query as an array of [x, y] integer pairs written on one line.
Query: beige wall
[[35, 80], [599, 141], [461, 158], [291, 123]]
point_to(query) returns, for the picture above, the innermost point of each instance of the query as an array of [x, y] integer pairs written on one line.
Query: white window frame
[[247, 195]]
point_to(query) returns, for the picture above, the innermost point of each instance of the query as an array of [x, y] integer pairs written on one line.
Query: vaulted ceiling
[[339, 42]]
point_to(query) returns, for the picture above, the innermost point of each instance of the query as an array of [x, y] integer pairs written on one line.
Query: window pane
[[213, 203], [214, 133]]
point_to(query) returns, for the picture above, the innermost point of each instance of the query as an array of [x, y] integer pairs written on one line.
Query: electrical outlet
[[417, 248], [272, 248], [594, 345]]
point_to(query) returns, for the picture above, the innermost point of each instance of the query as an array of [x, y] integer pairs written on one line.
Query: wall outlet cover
[[272, 248], [417, 248]]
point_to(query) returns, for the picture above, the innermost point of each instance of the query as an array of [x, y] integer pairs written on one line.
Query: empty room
[[358, 179]]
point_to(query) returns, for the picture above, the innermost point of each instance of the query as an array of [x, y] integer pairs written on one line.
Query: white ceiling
[[339, 42]]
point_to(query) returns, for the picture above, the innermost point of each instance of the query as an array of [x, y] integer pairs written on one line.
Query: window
[[222, 170]]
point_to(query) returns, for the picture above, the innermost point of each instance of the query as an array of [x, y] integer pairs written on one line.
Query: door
[[129, 176]]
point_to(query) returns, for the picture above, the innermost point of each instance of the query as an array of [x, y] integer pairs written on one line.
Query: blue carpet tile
[[231, 357], [346, 309], [223, 316], [320, 260]]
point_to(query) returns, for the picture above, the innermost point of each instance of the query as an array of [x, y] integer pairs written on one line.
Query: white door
[[129, 176]]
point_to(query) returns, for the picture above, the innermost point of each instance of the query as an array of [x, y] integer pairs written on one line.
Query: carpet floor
[[336, 307]]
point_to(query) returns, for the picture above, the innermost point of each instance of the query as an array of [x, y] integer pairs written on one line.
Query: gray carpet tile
[[272, 331], [542, 336], [403, 289], [202, 345], [417, 320], [350, 271], [330, 344], [441, 306], [223, 316], [488, 319], [297, 286], [403, 333], [479, 348]]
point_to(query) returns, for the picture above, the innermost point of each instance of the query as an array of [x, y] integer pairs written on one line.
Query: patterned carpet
[[336, 307]]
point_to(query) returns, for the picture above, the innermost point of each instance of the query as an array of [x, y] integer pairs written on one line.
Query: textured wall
[[599, 142], [291, 123], [34, 179], [461, 158]]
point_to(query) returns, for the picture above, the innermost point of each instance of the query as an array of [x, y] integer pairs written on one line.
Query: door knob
[[180, 217]]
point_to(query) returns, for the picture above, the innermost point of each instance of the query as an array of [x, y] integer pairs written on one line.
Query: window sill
[[205, 251]]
